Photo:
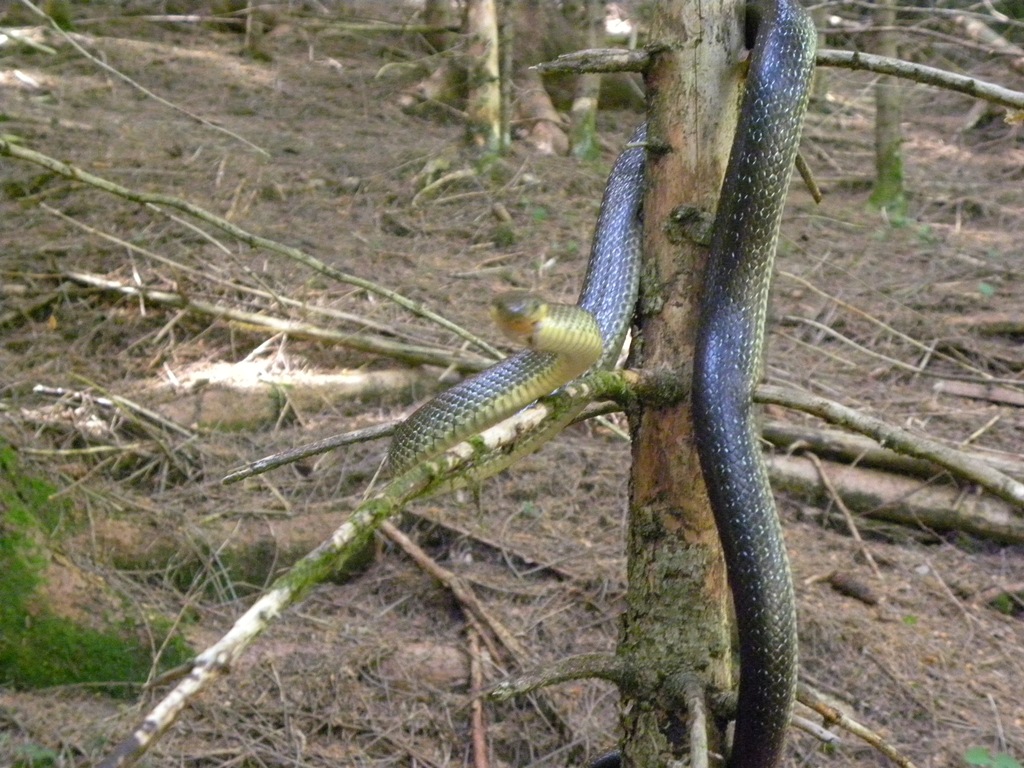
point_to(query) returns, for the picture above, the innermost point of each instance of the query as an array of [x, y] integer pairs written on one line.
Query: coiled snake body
[[727, 364]]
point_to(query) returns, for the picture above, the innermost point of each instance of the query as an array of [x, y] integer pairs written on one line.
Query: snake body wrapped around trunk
[[728, 365]]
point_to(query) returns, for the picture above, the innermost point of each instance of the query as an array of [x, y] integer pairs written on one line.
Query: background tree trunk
[[675, 621], [819, 85], [583, 117], [888, 193], [483, 106]]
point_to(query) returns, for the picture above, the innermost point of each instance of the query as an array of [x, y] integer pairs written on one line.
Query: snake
[[728, 360], [563, 341]]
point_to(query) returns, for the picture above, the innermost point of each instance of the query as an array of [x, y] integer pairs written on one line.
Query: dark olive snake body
[[728, 365]]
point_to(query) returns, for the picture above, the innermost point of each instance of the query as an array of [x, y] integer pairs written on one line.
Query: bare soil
[[373, 670]]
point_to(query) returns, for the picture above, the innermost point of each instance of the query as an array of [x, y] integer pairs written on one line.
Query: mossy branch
[[481, 457]]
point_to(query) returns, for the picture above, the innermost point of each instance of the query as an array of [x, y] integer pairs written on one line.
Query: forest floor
[[373, 670]]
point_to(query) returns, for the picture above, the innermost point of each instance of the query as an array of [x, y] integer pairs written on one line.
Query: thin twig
[[808, 178], [478, 716], [824, 735], [805, 695], [928, 350], [585, 666], [829, 331], [275, 460], [118, 403], [205, 276], [460, 590], [847, 515]]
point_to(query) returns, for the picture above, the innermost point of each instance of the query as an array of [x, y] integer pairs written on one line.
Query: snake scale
[[727, 364]]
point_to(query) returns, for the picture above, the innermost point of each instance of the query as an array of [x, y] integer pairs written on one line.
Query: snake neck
[[613, 271], [606, 305]]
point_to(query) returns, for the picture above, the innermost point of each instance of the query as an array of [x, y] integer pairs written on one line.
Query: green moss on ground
[[38, 646]]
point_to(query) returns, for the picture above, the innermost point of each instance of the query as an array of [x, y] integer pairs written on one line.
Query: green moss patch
[[40, 646]]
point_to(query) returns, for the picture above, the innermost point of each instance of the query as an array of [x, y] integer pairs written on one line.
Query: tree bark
[[675, 627]]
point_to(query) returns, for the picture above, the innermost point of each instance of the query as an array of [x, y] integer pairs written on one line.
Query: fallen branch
[[205, 277], [990, 323], [408, 353], [909, 501], [847, 447], [993, 393], [975, 29], [900, 440]]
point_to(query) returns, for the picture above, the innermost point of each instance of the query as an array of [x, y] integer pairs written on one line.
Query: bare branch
[[410, 353], [267, 463], [919, 73], [805, 695], [444, 473], [604, 666], [619, 60]]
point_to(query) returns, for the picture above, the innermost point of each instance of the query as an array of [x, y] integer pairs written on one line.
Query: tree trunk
[[888, 193], [675, 627], [506, 47], [483, 107], [437, 13], [583, 117]]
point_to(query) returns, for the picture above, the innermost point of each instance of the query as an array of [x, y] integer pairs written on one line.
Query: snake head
[[517, 314]]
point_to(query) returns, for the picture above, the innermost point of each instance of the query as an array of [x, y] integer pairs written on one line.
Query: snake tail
[[728, 365]]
